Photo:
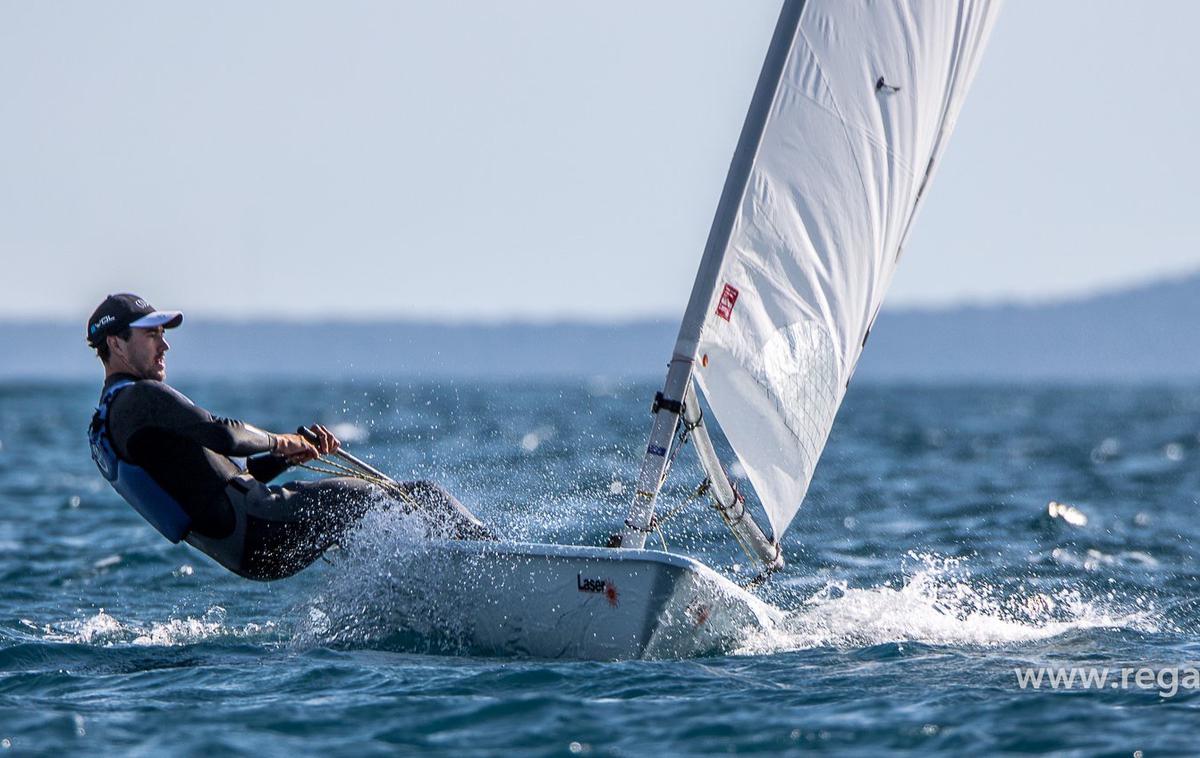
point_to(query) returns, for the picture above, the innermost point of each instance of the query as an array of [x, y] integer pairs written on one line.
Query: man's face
[[144, 353]]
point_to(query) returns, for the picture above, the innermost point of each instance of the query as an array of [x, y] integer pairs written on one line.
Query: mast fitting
[[662, 403]]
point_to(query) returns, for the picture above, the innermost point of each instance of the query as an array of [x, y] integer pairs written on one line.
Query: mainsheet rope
[[343, 470], [656, 522]]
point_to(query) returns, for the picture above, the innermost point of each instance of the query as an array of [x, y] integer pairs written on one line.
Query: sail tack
[[845, 144]]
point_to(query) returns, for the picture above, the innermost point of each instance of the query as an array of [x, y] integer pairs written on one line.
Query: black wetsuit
[[256, 531]]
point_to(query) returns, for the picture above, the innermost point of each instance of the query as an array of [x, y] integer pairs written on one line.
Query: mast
[[668, 404]]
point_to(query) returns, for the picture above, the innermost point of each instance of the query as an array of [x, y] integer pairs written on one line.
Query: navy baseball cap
[[120, 312]]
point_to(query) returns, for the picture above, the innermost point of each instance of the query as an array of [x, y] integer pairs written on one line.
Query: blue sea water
[[926, 567]]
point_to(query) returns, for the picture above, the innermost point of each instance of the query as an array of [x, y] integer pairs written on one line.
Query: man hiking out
[[170, 459]]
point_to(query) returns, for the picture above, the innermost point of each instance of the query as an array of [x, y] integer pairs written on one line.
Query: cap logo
[[140, 303], [103, 322]]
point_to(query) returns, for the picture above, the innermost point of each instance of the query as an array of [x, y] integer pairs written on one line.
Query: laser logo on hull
[[599, 586]]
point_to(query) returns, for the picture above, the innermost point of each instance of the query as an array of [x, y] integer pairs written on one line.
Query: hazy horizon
[[999, 302], [1128, 334]]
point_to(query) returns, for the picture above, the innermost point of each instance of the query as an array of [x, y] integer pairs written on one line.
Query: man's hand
[[323, 439], [295, 448]]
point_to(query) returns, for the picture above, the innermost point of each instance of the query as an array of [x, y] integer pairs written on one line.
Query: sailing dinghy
[[853, 108]]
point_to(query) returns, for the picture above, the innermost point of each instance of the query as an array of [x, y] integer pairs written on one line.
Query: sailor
[[171, 460]]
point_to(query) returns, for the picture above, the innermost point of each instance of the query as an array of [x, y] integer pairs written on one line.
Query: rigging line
[[684, 433], [341, 469], [382, 484], [736, 536], [395, 489], [686, 428], [656, 522], [695, 496], [330, 472], [746, 549]]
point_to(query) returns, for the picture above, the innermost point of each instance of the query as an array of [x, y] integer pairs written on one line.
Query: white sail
[[848, 137]]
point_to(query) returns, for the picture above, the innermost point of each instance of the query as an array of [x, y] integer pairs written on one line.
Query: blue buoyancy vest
[[132, 482]]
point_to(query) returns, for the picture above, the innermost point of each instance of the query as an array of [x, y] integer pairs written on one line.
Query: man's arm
[[291, 449], [154, 405]]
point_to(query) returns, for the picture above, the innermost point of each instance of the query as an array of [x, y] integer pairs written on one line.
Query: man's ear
[[116, 346]]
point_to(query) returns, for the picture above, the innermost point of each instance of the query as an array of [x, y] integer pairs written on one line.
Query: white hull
[[562, 601]]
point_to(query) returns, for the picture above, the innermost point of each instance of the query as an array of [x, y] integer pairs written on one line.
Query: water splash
[[940, 603], [350, 433], [384, 583], [1066, 513], [103, 629]]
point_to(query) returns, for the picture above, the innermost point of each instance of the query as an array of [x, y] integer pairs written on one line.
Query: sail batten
[[848, 121]]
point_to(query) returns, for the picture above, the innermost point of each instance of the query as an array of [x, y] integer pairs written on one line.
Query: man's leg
[[448, 516], [289, 527], [281, 530]]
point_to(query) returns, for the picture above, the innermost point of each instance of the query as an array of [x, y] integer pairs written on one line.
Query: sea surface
[[953, 536]]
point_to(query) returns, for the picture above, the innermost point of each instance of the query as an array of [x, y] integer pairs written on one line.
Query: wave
[[103, 629], [940, 603]]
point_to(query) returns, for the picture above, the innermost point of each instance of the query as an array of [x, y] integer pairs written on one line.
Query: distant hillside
[[1145, 333], [1142, 334]]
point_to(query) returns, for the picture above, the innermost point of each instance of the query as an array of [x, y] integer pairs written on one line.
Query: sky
[[537, 160]]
